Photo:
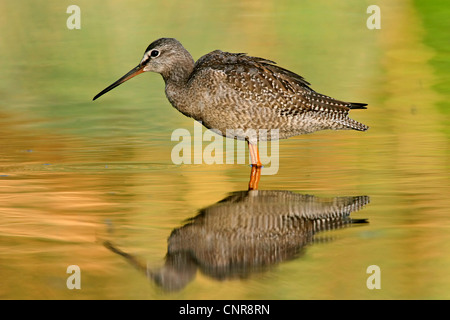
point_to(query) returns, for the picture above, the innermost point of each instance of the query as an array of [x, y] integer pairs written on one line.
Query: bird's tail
[[353, 124], [357, 105]]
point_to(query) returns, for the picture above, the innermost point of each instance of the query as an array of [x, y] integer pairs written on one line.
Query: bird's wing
[[257, 78]]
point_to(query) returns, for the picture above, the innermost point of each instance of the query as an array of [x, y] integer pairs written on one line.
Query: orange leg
[[255, 174]]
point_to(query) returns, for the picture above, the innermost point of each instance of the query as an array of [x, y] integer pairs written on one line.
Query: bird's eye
[[154, 53]]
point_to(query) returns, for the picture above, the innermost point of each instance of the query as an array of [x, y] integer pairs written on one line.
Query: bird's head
[[165, 56]]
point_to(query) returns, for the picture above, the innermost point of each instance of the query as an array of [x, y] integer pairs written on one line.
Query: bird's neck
[[180, 72], [177, 89]]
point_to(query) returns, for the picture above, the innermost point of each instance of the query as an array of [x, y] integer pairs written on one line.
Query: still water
[[92, 184]]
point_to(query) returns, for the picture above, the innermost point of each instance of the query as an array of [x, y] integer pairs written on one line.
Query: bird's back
[[253, 92]]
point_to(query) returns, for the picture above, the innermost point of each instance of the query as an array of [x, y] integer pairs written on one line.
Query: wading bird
[[239, 96]]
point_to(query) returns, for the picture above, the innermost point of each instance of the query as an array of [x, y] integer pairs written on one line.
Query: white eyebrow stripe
[[145, 59]]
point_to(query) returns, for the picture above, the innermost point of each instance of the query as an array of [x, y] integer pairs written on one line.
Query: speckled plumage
[[235, 91], [241, 96]]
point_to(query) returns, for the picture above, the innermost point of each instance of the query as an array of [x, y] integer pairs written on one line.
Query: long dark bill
[[133, 72]]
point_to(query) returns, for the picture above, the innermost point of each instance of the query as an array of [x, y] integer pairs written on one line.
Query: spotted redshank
[[240, 96]]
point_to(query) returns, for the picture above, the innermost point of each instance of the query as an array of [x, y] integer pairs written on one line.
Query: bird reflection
[[246, 232]]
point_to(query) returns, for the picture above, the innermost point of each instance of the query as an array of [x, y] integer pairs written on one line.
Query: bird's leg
[[256, 166], [255, 175], [254, 154]]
